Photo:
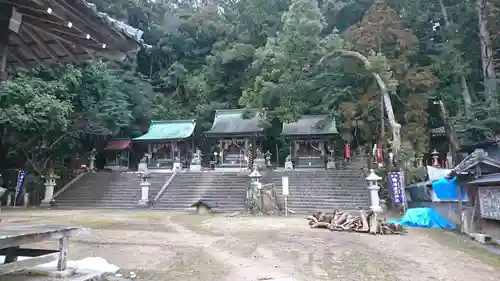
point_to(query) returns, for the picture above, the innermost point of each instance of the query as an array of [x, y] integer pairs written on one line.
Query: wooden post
[[11, 255], [5, 14], [63, 253]]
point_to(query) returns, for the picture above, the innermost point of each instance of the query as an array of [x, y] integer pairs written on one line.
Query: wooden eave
[[59, 31]]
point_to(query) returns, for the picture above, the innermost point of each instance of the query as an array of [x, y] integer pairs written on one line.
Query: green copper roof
[[168, 130], [311, 125], [230, 122]]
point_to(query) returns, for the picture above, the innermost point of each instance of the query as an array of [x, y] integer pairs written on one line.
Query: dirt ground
[[162, 246]]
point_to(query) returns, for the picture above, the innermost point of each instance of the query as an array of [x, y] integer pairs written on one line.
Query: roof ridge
[[172, 121]]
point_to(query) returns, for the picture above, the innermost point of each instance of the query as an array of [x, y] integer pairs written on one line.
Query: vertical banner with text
[[396, 187]]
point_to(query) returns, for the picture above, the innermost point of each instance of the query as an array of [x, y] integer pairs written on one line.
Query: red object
[[118, 144], [347, 149], [20, 164], [443, 165]]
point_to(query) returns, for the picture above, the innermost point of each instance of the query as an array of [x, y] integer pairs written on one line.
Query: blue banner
[[396, 187], [19, 185]]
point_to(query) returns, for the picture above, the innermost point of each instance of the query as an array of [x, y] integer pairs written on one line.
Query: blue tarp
[[423, 217], [446, 189]]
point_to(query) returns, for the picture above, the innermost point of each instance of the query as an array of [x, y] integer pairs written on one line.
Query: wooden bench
[[13, 236]]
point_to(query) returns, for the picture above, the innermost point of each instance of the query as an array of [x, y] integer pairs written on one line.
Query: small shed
[[203, 206]]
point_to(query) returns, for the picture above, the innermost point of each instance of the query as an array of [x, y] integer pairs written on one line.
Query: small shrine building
[[169, 143], [308, 138], [237, 136], [117, 154]]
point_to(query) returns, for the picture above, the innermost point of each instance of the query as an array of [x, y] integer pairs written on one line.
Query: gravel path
[[171, 246]]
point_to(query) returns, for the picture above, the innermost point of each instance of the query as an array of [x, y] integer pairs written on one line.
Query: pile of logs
[[365, 221]]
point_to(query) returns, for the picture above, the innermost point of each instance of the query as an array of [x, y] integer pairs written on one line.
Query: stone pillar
[[373, 187], [50, 183], [145, 184], [9, 199], [26, 199]]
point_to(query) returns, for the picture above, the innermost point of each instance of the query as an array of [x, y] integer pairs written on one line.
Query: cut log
[[364, 222]]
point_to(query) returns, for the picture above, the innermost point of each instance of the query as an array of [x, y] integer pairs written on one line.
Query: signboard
[[396, 187], [489, 201], [284, 185]]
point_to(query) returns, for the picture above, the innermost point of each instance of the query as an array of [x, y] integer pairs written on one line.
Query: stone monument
[[288, 163], [196, 161]]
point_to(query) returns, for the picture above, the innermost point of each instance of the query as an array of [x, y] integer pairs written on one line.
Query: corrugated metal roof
[[118, 144], [168, 130], [311, 125], [231, 122]]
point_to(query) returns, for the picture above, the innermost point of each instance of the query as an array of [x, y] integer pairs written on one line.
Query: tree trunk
[[489, 74], [466, 96], [395, 126]]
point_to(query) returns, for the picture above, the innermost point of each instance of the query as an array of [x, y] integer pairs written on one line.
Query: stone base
[[177, 166], [481, 238], [142, 167], [47, 203], [330, 165], [288, 166], [195, 168], [260, 163], [143, 203]]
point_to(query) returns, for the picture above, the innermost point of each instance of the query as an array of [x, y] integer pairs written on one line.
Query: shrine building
[[117, 154], [236, 136], [169, 143], [308, 139]]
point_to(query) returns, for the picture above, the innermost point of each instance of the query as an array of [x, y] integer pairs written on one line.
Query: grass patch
[[148, 215], [90, 222]]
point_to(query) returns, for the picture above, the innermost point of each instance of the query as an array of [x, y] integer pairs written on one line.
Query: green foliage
[[209, 55]]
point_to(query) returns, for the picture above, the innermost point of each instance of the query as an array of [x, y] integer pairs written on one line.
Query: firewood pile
[[365, 221]]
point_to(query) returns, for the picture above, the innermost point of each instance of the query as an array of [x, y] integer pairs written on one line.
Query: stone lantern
[[373, 187], [145, 185], [435, 158], [255, 186], [50, 184]]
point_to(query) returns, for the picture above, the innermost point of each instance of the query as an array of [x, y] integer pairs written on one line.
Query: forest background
[[216, 54]]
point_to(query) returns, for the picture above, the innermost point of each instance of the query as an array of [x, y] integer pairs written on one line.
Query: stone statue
[[258, 153], [197, 157], [288, 163], [268, 158]]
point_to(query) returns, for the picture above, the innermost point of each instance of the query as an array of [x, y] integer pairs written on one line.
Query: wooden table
[[13, 236]]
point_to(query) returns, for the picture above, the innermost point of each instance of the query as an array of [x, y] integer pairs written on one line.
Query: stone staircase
[[322, 190], [234, 161], [225, 190], [108, 190], [310, 162]]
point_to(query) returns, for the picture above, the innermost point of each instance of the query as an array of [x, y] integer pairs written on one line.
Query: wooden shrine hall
[[169, 143], [237, 136], [36, 32], [308, 138]]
